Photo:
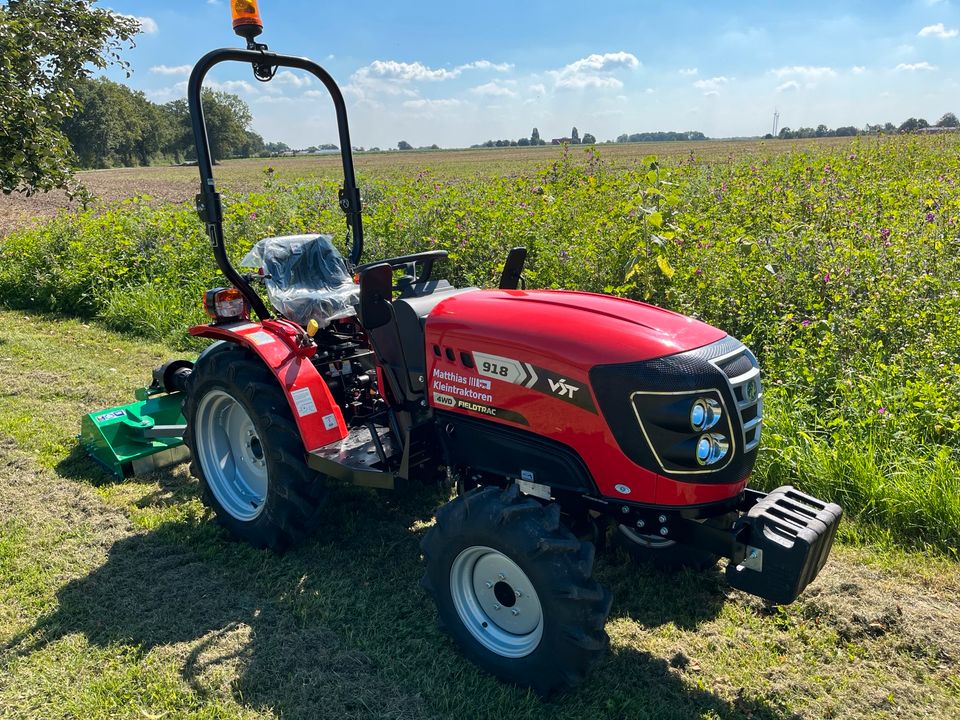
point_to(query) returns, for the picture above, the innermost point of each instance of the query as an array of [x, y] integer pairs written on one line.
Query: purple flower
[[253, 216], [881, 411], [698, 271], [806, 323], [931, 217], [826, 278], [885, 233]]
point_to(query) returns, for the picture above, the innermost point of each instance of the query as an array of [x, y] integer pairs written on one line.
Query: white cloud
[[938, 31], [689, 72], [537, 89], [913, 67], [595, 71], [807, 72], [648, 91], [711, 93], [167, 70], [285, 77], [493, 89], [858, 70], [712, 85], [393, 70], [788, 85], [427, 104]]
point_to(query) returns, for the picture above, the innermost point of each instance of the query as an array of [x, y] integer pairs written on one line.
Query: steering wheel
[[426, 259]]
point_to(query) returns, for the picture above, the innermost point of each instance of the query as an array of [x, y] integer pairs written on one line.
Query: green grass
[[835, 262], [125, 600]]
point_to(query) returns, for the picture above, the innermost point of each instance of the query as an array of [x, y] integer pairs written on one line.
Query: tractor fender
[[277, 343]]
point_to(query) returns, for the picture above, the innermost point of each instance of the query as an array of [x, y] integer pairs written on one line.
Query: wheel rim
[[231, 455], [496, 602]]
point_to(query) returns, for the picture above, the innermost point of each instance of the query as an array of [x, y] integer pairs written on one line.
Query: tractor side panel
[[318, 417]]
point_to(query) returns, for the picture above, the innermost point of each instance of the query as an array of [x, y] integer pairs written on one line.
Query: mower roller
[[562, 418]]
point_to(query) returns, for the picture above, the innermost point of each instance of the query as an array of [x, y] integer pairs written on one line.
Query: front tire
[[247, 452], [513, 588]]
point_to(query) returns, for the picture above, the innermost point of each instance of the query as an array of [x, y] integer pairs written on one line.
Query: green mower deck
[[137, 438]]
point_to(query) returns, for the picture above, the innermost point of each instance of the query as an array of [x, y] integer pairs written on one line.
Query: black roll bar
[[209, 204]]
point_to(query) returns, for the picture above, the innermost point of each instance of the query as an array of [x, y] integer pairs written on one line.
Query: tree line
[[949, 120], [116, 126]]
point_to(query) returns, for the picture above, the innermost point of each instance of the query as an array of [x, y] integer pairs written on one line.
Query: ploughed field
[[837, 262]]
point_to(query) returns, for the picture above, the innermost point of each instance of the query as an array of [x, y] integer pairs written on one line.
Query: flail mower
[[560, 416]]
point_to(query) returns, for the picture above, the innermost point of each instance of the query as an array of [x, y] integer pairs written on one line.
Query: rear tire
[[513, 588], [670, 555], [247, 452]]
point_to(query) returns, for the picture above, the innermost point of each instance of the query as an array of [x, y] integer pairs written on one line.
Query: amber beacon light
[[246, 18]]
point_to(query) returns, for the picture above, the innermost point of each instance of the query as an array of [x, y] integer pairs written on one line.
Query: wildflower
[[931, 217], [826, 278], [881, 410], [806, 323], [253, 216], [698, 271], [885, 233]]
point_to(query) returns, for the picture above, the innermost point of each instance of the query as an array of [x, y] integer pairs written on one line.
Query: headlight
[[711, 449], [704, 414]]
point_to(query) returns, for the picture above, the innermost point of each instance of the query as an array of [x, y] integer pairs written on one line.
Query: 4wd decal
[[535, 378]]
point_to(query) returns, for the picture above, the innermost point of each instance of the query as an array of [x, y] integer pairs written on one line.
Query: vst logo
[[561, 388]]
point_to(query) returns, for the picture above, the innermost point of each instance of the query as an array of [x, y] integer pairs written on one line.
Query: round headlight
[[712, 448], [704, 446], [704, 414]]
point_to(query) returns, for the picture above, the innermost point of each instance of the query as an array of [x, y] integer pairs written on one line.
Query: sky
[[456, 74]]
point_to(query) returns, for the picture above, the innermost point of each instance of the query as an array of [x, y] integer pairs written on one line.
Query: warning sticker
[[304, 402], [260, 338], [111, 415], [330, 421]]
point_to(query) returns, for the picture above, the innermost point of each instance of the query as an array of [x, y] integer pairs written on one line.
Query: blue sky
[[461, 73]]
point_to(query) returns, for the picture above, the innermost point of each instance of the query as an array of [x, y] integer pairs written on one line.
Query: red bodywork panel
[[544, 343], [277, 343]]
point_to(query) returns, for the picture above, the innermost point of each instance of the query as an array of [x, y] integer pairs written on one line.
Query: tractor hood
[[578, 329]]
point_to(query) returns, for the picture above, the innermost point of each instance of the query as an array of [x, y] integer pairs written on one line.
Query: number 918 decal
[[535, 378]]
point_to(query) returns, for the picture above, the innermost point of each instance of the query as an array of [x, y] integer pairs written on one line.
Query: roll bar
[[209, 207]]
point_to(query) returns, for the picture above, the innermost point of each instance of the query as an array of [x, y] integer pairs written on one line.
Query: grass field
[[179, 184], [837, 261], [123, 600]]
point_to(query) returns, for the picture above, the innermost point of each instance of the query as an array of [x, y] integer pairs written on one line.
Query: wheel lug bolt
[[488, 584], [515, 612], [519, 594], [664, 531], [496, 606], [501, 576]]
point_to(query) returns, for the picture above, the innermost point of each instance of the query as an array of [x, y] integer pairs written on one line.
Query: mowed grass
[[123, 599]]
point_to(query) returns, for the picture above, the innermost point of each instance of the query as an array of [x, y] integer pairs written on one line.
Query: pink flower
[[881, 411], [826, 278], [806, 323]]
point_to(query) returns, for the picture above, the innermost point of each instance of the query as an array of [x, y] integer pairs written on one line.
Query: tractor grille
[[743, 372]]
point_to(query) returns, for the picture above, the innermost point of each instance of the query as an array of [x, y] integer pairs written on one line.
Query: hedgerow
[[839, 267]]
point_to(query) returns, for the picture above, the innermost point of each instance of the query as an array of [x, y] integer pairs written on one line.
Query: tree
[[588, 139], [116, 126], [535, 137], [404, 145], [523, 142], [575, 137], [47, 48], [948, 120], [228, 119]]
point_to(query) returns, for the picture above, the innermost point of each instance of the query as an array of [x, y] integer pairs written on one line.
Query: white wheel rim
[[231, 455], [496, 602]]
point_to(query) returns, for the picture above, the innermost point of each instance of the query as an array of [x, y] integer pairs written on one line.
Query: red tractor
[[557, 415]]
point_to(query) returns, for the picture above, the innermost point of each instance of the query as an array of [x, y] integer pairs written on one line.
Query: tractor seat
[[306, 278]]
